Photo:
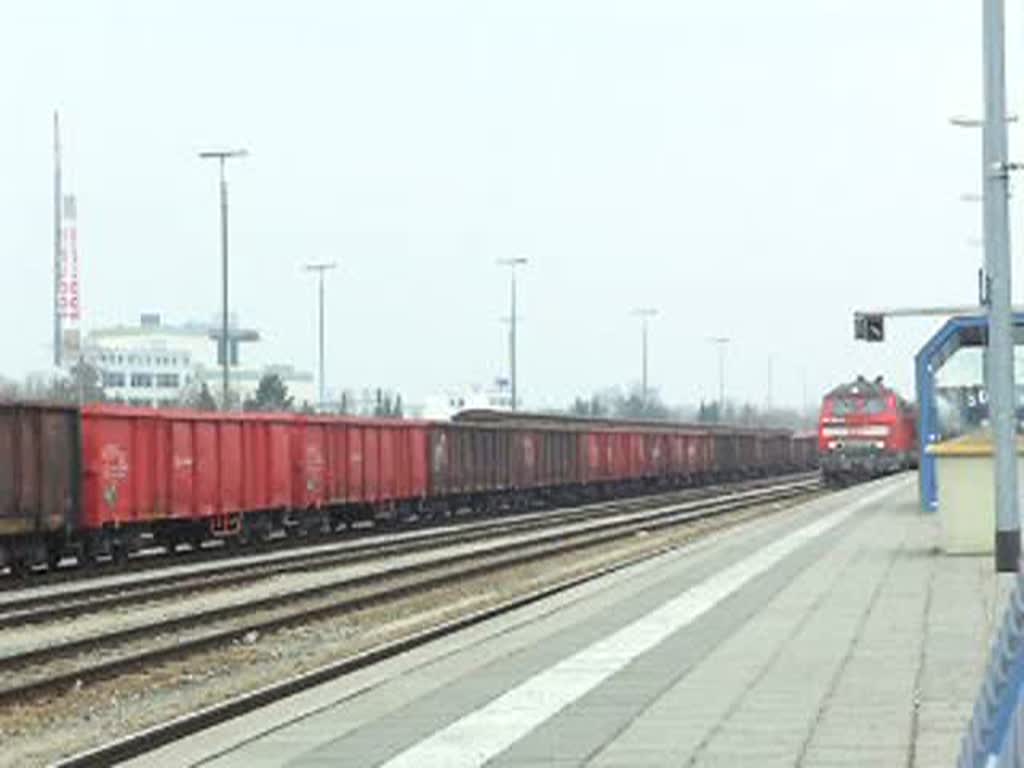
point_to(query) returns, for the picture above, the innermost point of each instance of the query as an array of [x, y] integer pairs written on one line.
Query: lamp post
[[985, 272], [222, 155], [512, 263], [644, 313], [995, 179], [720, 342], [320, 268]]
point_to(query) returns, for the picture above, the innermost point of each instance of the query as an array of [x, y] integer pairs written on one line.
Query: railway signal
[[869, 327]]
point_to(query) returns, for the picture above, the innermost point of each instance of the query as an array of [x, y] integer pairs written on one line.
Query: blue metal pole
[[926, 428]]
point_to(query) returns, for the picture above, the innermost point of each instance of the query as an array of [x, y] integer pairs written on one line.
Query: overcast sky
[[754, 170]]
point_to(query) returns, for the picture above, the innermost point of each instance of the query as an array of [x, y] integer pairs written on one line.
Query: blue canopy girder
[[956, 333]]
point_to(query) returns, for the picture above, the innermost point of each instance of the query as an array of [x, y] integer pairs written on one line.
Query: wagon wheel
[[118, 553], [87, 555], [19, 568]]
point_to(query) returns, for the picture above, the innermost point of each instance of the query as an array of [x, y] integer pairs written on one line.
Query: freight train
[[865, 430], [104, 481]]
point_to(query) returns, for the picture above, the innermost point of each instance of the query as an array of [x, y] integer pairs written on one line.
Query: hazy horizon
[[752, 171]]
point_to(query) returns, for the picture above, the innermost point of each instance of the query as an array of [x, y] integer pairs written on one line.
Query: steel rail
[[50, 605], [287, 611]]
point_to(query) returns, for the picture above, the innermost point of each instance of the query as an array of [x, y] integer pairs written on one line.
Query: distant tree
[[83, 384], [728, 413], [307, 408], [709, 413], [636, 406], [271, 395], [198, 397], [592, 407], [9, 390], [385, 404], [748, 415]]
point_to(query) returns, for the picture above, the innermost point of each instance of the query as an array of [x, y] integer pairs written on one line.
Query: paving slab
[[834, 634]]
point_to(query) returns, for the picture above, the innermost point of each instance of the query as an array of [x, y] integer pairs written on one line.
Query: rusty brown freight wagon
[[40, 449]]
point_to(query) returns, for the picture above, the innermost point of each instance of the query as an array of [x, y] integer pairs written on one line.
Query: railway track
[[43, 604], [50, 669], [500, 557]]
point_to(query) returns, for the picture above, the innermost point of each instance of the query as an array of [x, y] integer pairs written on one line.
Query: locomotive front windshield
[[847, 406]]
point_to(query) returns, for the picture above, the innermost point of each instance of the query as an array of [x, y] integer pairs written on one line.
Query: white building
[[154, 364]]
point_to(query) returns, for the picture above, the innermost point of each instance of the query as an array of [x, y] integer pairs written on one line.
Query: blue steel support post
[[932, 356], [926, 429]]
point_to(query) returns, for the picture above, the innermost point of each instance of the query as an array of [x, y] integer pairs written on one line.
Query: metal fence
[[995, 736]]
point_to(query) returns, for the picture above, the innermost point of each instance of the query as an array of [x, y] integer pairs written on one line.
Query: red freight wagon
[[181, 472], [343, 460], [184, 475]]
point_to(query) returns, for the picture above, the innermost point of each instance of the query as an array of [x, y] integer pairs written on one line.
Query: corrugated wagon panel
[[183, 469], [279, 466], [420, 461], [592, 456], [256, 480], [371, 464], [403, 463], [10, 472], [309, 461], [60, 463], [207, 469], [142, 500], [389, 459], [339, 463], [232, 460]]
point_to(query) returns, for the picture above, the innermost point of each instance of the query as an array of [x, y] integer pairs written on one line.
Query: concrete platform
[[832, 635]]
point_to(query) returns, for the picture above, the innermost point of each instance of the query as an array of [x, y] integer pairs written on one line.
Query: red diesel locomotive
[[865, 430]]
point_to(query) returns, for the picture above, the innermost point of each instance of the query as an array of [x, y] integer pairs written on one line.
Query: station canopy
[[957, 333]]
